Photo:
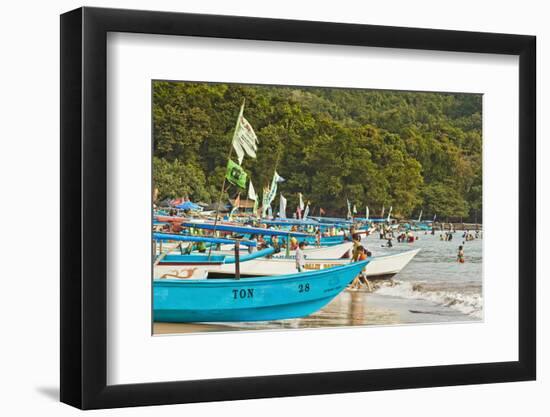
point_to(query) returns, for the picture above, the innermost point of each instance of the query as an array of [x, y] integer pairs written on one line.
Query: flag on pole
[[251, 192], [235, 207], [273, 190], [321, 212], [354, 209], [435, 217], [383, 210], [306, 211], [252, 196], [420, 217], [235, 174], [349, 210], [265, 203], [300, 205], [282, 207], [245, 140], [389, 213], [367, 213]]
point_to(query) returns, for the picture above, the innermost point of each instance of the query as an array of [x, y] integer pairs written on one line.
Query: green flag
[[235, 174]]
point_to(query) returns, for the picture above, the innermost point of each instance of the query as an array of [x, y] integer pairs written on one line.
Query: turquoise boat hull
[[250, 299]]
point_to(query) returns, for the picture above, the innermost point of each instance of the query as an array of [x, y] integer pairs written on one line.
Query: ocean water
[[434, 275]]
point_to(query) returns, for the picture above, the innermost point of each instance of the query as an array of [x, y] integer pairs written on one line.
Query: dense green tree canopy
[[409, 150]]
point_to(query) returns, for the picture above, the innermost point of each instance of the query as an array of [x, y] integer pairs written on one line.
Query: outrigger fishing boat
[[379, 267], [250, 231], [181, 297], [250, 299], [220, 263], [335, 249], [164, 262]]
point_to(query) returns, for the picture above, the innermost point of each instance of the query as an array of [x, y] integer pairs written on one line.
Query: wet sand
[[175, 328]]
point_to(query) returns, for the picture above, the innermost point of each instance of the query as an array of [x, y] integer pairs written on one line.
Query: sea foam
[[470, 304]]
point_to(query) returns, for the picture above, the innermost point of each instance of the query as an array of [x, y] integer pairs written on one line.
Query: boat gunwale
[[372, 258], [264, 280]]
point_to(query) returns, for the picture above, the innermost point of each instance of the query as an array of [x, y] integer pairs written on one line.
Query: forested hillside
[[408, 150]]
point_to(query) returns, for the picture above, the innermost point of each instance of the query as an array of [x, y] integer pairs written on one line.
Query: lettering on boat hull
[[243, 293]]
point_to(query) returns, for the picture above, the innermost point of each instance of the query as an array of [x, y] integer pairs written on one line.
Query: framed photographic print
[[257, 208]]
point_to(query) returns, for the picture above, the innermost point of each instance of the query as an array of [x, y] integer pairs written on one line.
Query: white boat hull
[[380, 267], [325, 252]]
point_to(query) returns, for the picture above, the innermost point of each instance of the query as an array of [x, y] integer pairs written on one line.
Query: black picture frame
[[84, 207]]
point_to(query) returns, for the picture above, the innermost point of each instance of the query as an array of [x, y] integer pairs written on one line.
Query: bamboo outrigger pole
[[224, 175]]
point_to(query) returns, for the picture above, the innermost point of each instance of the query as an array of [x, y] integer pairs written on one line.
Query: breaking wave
[[467, 303]]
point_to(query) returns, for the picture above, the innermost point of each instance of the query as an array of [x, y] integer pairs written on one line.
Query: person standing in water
[[460, 254]]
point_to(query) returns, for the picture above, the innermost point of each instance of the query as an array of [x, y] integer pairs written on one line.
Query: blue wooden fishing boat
[[371, 220], [301, 223], [250, 299], [332, 220], [249, 231], [205, 259], [205, 239], [243, 229]]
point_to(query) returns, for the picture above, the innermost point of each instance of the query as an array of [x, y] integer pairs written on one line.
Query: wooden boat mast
[[224, 177]]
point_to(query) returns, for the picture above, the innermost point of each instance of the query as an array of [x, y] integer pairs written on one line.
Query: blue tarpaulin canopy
[[188, 205]]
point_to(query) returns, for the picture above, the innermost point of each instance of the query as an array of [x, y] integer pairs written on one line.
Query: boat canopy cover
[[187, 238], [243, 229], [188, 205]]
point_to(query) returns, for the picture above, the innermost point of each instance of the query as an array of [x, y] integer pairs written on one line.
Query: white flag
[[367, 213], [251, 192], [273, 190], [301, 203], [282, 207], [349, 209], [354, 209], [389, 213], [245, 140], [265, 203], [306, 212], [420, 217]]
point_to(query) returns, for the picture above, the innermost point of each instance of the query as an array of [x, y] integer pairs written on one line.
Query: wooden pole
[[223, 183], [237, 261]]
